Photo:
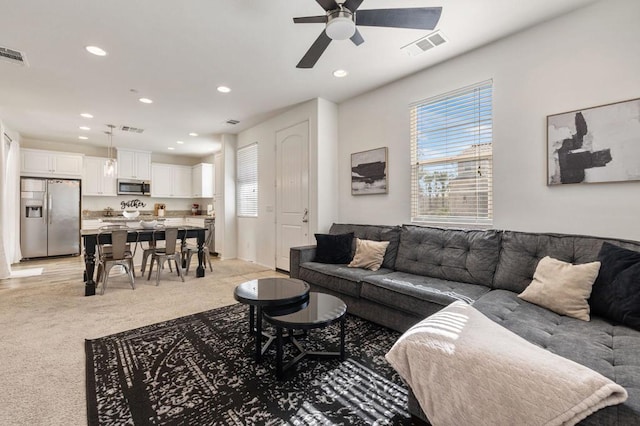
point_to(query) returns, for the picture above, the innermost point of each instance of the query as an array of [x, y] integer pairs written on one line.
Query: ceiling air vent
[[13, 56], [423, 44], [131, 129], [232, 122]]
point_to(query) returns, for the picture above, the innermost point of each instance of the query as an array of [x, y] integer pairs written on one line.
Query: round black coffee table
[[283, 295], [321, 311]]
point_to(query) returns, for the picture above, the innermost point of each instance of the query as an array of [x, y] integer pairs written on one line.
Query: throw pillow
[[616, 292], [369, 254], [562, 287], [333, 248]]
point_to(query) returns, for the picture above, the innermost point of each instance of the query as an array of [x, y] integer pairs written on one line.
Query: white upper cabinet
[[170, 181], [94, 182], [202, 180], [35, 162], [134, 164]]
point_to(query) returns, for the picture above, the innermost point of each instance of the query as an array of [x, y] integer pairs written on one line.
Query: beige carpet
[[45, 319]]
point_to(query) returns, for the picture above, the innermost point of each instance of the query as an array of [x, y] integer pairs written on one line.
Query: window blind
[[247, 181], [452, 157]]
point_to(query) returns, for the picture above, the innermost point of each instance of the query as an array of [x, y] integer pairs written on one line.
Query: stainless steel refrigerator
[[49, 217]]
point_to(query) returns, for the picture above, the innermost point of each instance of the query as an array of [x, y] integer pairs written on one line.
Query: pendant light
[[111, 165]]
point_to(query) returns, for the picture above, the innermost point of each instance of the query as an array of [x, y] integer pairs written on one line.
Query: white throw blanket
[[467, 370]]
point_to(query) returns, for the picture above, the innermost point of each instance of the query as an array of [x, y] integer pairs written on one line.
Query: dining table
[[134, 235]]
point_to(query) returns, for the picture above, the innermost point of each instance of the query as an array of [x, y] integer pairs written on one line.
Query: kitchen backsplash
[[172, 204], [99, 214]]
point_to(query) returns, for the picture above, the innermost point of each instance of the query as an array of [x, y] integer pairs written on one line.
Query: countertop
[[145, 217]]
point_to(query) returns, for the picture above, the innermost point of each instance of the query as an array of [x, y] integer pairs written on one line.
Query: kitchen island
[[90, 239]]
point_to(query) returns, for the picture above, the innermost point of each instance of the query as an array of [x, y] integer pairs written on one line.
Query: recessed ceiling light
[[84, 138], [86, 115], [179, 142], [85, 128], [223, 89], [193, 134], [340, 73], [145, 100], [170, 148], [96, 50]]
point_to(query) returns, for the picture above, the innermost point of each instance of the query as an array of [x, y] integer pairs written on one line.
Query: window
[[247, 181], [451, 157]]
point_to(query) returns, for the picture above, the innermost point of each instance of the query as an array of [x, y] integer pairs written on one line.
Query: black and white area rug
[[199, 370]]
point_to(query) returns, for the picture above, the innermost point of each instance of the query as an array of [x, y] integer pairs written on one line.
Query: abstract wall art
[[592, 145], [369, 172]]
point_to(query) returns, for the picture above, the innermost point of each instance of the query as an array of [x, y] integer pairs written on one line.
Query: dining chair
[[169, 252], [188, 250], [118, 252], [112, 227], [148, 251]]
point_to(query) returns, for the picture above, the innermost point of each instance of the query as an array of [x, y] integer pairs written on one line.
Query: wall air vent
[[425, 43], [234, 122], [131, 129], [13, 56]]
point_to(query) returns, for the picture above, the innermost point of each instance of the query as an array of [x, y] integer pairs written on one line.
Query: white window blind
[[451, 157], [247, 181]]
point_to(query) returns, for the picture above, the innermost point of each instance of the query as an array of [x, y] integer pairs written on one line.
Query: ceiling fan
[[341, 20]]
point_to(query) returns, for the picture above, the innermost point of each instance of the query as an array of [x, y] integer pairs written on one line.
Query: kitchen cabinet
[[195, 221], [174, 221], [94, 182], [170, 181], [91, 223], [202, 181], [134, 164], [35, 162]]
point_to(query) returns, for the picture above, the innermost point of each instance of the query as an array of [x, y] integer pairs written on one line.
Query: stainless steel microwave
[[133, 187]]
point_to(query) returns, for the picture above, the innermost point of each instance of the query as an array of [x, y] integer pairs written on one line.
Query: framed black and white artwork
[[593, 145], [369, 172]]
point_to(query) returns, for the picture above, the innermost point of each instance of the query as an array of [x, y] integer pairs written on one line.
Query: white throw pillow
[[369, 254], [562, 287]]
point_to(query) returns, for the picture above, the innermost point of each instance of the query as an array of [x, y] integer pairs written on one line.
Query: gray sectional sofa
[[427, 268]]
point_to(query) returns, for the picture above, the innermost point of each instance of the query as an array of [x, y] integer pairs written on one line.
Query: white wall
[[587, 58], [257, 236], [225, 198]]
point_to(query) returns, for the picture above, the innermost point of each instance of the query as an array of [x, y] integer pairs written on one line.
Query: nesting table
[[278, 294], [321, 311], [288, 304]]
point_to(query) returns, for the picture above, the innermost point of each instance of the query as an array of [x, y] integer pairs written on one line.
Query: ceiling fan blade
[[311, 20], [419, 18], [315, 51], [357, 38], [352, 5], [328, 4]]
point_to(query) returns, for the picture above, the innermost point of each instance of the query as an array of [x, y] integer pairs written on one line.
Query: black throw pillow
[[616, 291], [334, 248]]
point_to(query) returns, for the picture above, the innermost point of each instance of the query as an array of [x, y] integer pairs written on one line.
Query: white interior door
[[292, 181]]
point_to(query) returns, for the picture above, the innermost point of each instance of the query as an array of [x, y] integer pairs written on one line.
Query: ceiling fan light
[[341, 28]]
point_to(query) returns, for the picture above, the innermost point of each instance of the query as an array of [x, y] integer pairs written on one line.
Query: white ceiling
[[178, 52]]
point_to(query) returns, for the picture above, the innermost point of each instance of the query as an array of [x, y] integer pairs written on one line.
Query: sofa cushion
[[408, 292], [521, 252], [468, 256], [616, 292], [334, 248], [562, 287], [338, 278], [369, 254], [375, 233], [612, 350]]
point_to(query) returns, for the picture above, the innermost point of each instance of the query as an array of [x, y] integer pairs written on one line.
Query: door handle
[[305, 216], [50, 209]]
